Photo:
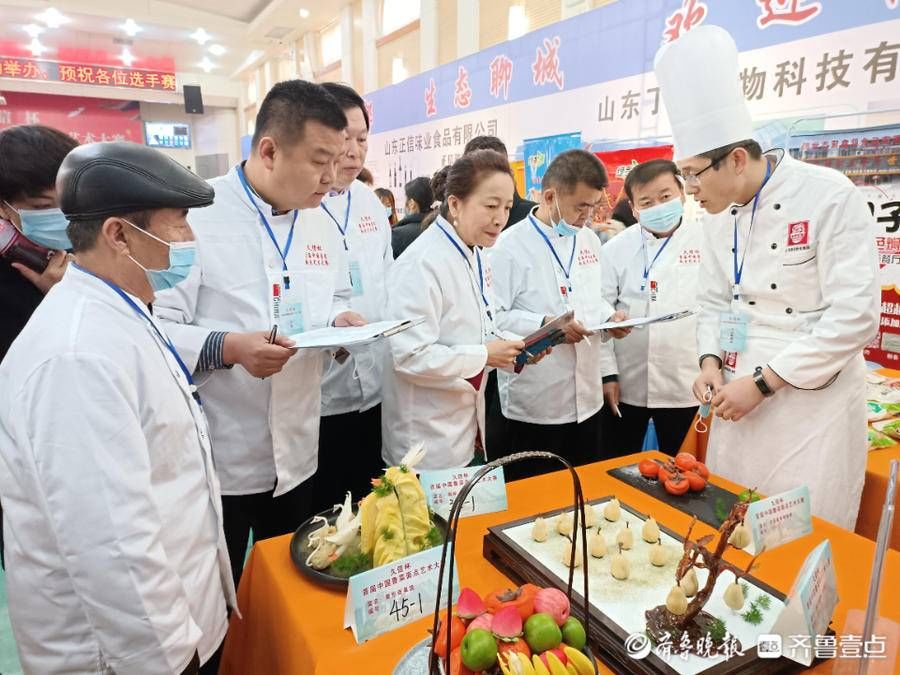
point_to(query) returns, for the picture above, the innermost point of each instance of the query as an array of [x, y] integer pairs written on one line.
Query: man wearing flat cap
[[116, 559]]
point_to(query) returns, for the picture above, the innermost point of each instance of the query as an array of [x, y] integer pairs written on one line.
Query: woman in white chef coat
[[434, 381], [788, 290], [649, 270]]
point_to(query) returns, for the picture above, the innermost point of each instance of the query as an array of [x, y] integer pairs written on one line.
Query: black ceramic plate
[[300, 549]]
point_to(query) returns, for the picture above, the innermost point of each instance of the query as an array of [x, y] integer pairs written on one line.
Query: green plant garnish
[[349, 564], [387, 534], [717, 630], [433, 538], [764, 601], [753, 615]]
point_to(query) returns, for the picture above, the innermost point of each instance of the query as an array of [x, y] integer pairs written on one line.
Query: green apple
[[542, 633], [478, 650], [573, 633]]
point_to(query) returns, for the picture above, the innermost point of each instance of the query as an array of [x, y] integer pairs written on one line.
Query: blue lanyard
[[480, 271], [290, 239], [343, 230], [739, 271], [166, 341], [566, 271], [655, 258]]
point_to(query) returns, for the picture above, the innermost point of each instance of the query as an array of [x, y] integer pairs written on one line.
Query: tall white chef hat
[[698, 77]]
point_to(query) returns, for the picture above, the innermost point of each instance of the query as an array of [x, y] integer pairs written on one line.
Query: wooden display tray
[[606, 637]]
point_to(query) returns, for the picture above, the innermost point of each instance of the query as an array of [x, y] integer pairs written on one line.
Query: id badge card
[[286, 302], [356, 280], [733, 332]]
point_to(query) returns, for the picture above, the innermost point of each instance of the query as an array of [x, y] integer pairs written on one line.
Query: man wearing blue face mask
[[29, 159], [117, 555], [648, 270], [545, 265]]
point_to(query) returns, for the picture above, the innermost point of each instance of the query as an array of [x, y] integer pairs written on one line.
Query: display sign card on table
[[441, 488], [803, 623], [390, 596], [779, 519]]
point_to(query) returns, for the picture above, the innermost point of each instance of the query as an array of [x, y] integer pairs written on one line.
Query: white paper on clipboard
[[351, 336], [642, 321]]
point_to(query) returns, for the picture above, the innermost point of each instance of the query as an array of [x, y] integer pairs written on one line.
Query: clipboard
[[548, 335], [333, 337]]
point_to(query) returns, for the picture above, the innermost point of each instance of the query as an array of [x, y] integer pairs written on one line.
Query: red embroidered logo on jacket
[[689, 256], [587, 257], [367, 225], [798, 233], [316, 256]]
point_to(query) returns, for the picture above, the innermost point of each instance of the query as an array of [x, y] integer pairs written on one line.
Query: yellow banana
[[539, 667], [556, 666], [571, 669], [525, 663], [502, 661], [579, 661]]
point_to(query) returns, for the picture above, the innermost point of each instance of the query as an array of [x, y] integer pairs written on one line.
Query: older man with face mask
[[266, 268], [788, 290], [116, 555]]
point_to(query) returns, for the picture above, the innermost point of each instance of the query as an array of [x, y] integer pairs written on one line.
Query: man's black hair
[[347, 97], [289, 105], [30, 156]]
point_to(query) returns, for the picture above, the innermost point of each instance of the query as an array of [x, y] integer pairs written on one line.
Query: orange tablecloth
[[874, 490], [293, 627]]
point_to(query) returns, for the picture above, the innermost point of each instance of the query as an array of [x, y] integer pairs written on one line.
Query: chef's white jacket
[[657, 364], [355, 385], [528, 281], [115, 556], [265, 432]]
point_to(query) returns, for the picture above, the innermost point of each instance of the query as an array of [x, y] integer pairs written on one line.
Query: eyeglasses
[[694, 178]]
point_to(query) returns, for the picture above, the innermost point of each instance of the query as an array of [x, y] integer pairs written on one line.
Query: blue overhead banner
[[621, 40]]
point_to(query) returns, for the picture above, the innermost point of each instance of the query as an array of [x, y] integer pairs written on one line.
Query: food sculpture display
[[393, 521], [521, 631], [678, 615], [678, 476]]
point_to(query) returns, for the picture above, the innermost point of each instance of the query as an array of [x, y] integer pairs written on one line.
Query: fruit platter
[[681, 482], [526, 630], [659, 603], [391, 522]]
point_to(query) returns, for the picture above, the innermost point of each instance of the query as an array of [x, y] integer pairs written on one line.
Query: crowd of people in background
[[156, 417]]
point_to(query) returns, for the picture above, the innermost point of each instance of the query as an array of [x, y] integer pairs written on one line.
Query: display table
[[877, 470], [291, 626]]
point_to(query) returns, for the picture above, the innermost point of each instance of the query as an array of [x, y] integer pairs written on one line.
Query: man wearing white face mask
[[647, 270], [543, 266], [117, 556]]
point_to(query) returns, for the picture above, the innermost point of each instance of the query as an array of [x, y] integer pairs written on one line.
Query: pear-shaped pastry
[[740, 537], [676, 601], [564, 524], [689, 583], [625, 538], [590, 516], [596, 544], [620, 568], [734, 596], [539, 529], [650, 531], [612, 511], [567, 555], [659, 556]]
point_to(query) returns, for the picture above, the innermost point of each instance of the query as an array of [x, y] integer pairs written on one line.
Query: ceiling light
[[52, 17], [130, 27], [33, 30], [304, 13], [126, 57], [206, 64], [217, 50], [35, 47], [201, 36]]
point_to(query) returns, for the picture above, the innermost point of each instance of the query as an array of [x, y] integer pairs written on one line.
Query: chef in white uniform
[[435, 378], [264, 264], [788, 290], [545, 265], [648, 270], [350, 428], [116, 559]]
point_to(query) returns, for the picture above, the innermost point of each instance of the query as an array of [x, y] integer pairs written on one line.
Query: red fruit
[[685, 461], [507, 624], [554, 602], [702, 470], [695, 481], [457, 631], [514, 646], [648, 468], [521, 598], [484, 621], [456, 665], [677, 485], [667, 472], [469, 604], [558, 653]]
